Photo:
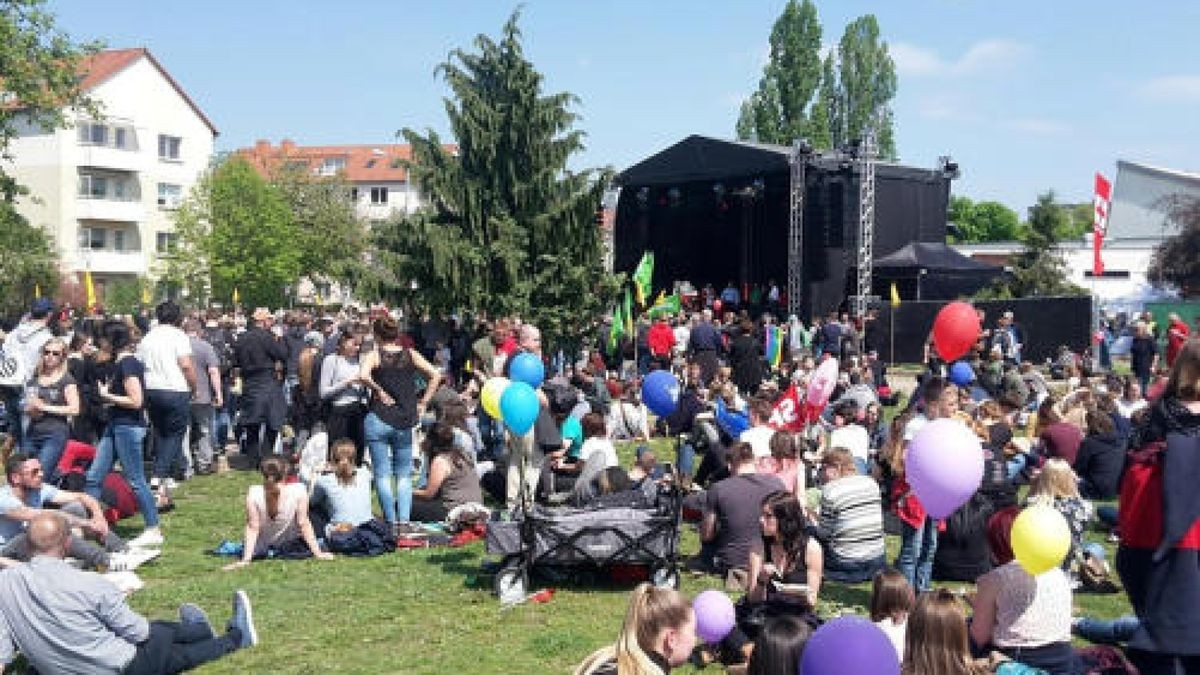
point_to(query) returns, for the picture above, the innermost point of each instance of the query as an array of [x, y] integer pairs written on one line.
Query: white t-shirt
[[853, 437], [895, 632], [914, 425], [159, 351], [759, 438], [602, 446]]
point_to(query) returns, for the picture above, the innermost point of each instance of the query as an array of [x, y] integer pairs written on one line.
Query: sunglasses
[[51, 353]]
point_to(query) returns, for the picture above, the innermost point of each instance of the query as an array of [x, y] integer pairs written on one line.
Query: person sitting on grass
[[277, 523], [659, 633], [64, 620], [779, 647], [850, 525], [892, 600], [341, 500], [936, 643], [452, 478], [1058, 487]]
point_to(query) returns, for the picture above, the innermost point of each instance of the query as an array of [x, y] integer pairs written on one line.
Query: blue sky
[[1025, 95]]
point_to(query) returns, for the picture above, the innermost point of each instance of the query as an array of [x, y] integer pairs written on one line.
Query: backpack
[[223, 347]]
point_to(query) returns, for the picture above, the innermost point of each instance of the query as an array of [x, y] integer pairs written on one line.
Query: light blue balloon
[[527, 368], [519, 407]]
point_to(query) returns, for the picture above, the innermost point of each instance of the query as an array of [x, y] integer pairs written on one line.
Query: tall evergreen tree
[[866, 85], [1039, 270], [779, 111], [509, 227]]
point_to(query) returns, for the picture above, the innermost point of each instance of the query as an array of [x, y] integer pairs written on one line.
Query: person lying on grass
[[277, 519]]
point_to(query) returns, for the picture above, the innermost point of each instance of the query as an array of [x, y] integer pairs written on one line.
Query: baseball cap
[[41, 308]]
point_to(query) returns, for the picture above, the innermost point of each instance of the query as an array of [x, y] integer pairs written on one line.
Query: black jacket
[[1099, 463]]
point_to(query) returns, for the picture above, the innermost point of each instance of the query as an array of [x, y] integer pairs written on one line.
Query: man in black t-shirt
[[730, 528]]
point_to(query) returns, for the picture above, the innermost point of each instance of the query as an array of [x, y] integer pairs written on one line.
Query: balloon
[[660, 392], [944, 466], [528, 368], [519, 407], [714, 616], [961, 373], [1040, 538], [849, 645], [823, 381], [955, 330], [489, 396]]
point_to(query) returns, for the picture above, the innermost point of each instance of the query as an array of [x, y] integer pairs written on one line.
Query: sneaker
[[171, 484], [243, 619], [126, 582], [189, 613], [131, 560], [147, 539]]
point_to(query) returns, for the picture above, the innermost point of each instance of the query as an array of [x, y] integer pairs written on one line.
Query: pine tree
[[778, 112], [509, 228], [1039, 270]]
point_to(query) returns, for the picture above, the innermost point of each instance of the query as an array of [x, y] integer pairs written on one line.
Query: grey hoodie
[[26, 340]]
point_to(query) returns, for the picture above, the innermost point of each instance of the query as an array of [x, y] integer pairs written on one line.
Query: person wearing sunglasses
[[51, 399]]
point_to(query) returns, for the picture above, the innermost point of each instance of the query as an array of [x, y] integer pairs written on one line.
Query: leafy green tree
[[779, 111], [983, 221], [1177, 259], [125, 296], [826, 111], [28, 259], [332, 238], [509, 228], [866, 85], [1039, 269], [235, 230]]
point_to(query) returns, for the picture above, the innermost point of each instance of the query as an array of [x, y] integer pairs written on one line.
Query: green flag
[[628, 313], [642, 278], [665, 306], [616, 330]]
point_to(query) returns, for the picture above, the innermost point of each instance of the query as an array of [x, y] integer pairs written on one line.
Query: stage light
[[643, 196], [803, 146], [719, 190], [759, 186], [948, 167], [674, 197]]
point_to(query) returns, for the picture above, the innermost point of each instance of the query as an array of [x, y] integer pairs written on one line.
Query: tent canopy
[[933, 257]]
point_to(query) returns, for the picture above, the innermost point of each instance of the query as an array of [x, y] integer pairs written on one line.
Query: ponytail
[[273, 470], [651, 611]]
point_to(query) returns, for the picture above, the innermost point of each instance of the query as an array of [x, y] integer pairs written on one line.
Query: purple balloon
[[944, 466], [714, 616], [849, 645]]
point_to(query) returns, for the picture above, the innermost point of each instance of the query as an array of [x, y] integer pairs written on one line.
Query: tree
[[27, 260], [866, 84], [983, 221], [235, 231], [331, 237], [1039, 270], [778, 112], [1177, 259], [508, 228]]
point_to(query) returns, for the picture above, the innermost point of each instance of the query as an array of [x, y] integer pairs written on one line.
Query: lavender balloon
[[944, 466], [849, 645], [714, 616]]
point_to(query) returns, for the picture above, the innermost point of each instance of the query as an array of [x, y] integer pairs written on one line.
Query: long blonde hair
[[62, 361], [651, 611], [1057, 479]]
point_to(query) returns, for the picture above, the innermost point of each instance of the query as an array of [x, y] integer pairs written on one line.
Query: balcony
[[117, 210], [113, 262], [106, 157]]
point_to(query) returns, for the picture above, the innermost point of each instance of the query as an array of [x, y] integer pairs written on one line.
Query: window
[[296, 165], [119, 240], [168, 147], [354, 195], [164, 242], [332, 165], [92, 186], [92, 133], [92, 238], [371, 163], [169, 195], [379, 195], [119, 137]]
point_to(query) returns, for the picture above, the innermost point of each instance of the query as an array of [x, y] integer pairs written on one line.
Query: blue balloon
[[519, 407], [961, 373], [660, 392], [527, 368]]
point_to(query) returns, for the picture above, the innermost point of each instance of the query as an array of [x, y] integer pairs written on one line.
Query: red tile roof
[[98, 68], [363, 163]]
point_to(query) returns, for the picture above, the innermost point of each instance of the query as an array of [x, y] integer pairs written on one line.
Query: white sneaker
[[147, 539], [128, 582], [127, 561], [171, 484], [243, 619]]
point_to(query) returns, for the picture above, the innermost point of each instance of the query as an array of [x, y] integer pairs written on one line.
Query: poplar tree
[[509, 228], [865, 87], [779, 111]]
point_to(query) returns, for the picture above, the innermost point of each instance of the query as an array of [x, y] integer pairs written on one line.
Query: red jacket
[[661, 338]]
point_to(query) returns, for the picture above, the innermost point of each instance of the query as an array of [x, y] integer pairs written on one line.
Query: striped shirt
[[852, 518]]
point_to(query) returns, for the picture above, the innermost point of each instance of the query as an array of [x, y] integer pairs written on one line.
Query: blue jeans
[[851, 571], [685, 459], [124, 443], [1117, 631], [391, 455], [915, 560], [170, 414], [48, 448], [12, 412]]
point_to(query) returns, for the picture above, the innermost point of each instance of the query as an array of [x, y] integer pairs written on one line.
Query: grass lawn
[[426, 611]]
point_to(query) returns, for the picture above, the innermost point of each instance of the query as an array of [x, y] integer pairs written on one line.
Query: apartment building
[[106, 188]]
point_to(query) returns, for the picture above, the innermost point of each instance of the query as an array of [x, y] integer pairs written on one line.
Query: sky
[[1026, 96]]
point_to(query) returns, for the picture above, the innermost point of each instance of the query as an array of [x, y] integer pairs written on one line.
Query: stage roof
[[699, 158]]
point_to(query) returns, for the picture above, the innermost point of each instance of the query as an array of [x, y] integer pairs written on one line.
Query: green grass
[[425, 611]]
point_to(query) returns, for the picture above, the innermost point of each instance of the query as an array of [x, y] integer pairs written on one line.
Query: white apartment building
[[106, 188]]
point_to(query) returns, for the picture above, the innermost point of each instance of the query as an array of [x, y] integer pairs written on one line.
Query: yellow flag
[[319, 302], [37, 290], [236, 298], [895, 296], [89, 289], [146, 297]]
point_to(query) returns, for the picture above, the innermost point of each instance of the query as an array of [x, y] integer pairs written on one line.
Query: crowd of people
[[359, 424]]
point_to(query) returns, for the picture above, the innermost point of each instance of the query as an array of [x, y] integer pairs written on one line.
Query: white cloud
[[983, 56], [1173, 88], [1036, 126]]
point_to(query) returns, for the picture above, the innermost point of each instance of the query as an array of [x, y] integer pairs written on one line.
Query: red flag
[[787, 414], [1101, 202]]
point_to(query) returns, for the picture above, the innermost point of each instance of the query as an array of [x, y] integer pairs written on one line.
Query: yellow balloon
[[1040, 538], [489, 397]]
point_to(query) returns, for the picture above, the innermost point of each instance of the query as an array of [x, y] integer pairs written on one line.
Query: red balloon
[[955, 330]]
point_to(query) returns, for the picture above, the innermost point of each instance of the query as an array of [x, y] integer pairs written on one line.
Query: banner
[[642, 277], [665, 305], [773, 349], [1102, 202], [89, 290], [787, 415]]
